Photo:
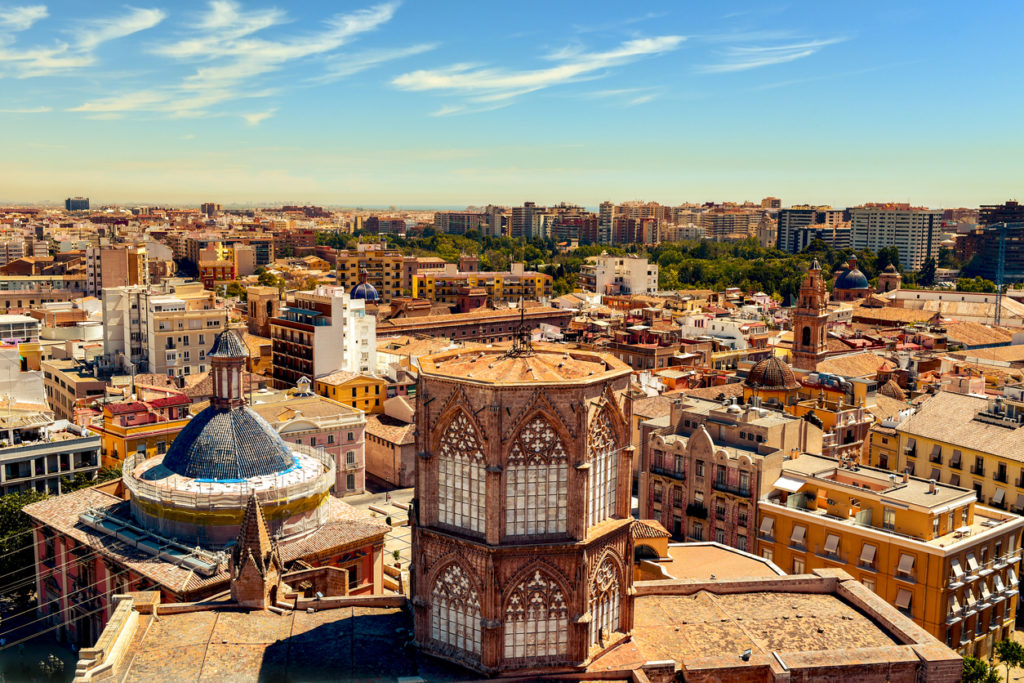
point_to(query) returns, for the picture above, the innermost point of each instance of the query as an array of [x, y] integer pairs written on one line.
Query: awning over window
[[832, 544], [1000, 494], [985, 592], [1011, 579], [788, 484], [954, 604], [906, 565], [903, 599], [972, 563], [911, 444], [867, 554], [958, 571], [799, 533], [767, 526], [936, 451], [957, 455], [954, 479], [997, 584], [1020, 501], [935, 473]]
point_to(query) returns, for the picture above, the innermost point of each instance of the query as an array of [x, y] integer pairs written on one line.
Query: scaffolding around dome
[[208, 513]]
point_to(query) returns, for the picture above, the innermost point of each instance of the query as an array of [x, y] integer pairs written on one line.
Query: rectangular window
[[700, 468], [767, 528], [720, 536], [868, 582], [798, 536], [350, 482], [768, 554], [798, 565], [330, 438], [906, 566], [889, 519]]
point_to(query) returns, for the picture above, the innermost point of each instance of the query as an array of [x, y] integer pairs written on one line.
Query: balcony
[[1000, 476], [833, 556], [697, 510], [978, 471], [668, 472], [725, 487]]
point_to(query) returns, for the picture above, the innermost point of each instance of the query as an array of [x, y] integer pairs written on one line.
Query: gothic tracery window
[[536, 619], [461, 486], [604, 602], [455, 611], [536, 482], [602, 476]]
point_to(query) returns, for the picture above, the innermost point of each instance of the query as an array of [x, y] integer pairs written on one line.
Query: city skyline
[[379, 104]]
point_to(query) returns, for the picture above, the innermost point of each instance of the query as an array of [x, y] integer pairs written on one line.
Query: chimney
[[931, 486], [906, 477]]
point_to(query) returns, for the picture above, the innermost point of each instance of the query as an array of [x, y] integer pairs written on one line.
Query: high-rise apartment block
[[800, 225], [76, 204], [210, 208], [121, 265], [321, 332], [459, 222], [619, 275], [165, 329], [914, 231]]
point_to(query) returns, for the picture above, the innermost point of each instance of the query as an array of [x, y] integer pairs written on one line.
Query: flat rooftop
[[356, 643], [704, 560]]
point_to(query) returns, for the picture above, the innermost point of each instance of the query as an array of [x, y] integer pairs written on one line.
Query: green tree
[[975, 284], [926, 276], [15, 544], [887, 255], [1010, 653], [947, 259], [978, 671]]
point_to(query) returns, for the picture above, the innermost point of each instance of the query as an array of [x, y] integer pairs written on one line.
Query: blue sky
[[457, 103]]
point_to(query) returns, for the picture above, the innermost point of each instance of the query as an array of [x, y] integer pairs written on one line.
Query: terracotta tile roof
[[976, 334], [864, 364], [1005, 354], [655, 406], [891, 314], [391, 430], [712, 393], [478, 315], [949, 418], [648, 528], [347, 527]]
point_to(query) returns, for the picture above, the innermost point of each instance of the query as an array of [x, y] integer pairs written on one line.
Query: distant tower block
[[521, 543]]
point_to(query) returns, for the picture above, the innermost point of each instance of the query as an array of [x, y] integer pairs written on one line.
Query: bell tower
[[810, 321]]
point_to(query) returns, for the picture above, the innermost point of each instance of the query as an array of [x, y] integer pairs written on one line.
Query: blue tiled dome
[[228, 444], [851, 278], [365, 291]]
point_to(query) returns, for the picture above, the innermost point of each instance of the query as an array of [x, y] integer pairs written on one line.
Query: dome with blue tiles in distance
[[364, 290], [851, 278]]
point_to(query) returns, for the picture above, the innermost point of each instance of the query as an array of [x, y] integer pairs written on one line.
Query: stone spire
[[255, 563]]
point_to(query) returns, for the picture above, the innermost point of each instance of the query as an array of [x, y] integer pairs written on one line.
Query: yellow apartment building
[[969, 441], [365, 392], [927, 548], [511, 285], [133, 426]]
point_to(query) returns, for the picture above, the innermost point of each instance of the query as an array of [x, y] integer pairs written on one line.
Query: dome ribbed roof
[[772, 374], [851, 278], [228, 345], [365, 291], [228, 444]]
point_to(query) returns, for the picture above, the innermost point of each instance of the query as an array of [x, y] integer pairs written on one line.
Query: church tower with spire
[[810, 321]]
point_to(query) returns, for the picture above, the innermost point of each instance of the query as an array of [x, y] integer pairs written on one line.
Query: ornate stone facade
[[521, 543]]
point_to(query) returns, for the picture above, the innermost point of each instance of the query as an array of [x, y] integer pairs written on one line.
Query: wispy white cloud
[[643, 99], [21, 18], [232, 56], [26, 110], [741, 58], [340, 66], [617, 25], [257, 118], [491, 86], [65, 55]]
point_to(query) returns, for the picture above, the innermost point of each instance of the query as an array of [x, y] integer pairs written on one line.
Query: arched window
[[806, 338], [455, 611], [461, 489], [602, 476], [604, 602], [536, 482], [536, 620]]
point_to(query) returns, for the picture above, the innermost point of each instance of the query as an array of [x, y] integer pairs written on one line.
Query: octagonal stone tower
[[522, 526]]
